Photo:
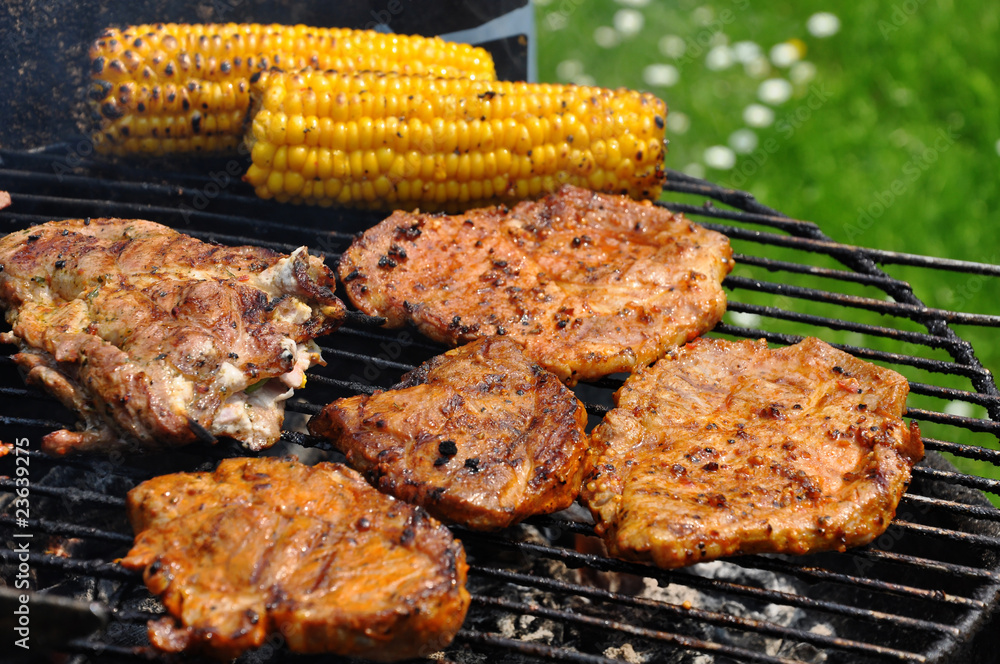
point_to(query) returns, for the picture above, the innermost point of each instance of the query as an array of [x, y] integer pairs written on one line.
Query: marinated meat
[[479, 436], [4, 199], [725, 448], [157, 339], [591, 284], [271, 546]]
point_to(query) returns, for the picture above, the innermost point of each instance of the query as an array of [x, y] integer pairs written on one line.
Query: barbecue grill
[[925, 591]]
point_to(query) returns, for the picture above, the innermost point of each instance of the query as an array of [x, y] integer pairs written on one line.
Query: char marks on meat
[[591, 284], [480, 436], [724, 448], [272, 546], [153, 336]]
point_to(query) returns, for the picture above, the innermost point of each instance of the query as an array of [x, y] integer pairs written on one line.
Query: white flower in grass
[[628, 22], [719, 157], [758, 115], [695, 170], [633, 3], [774, 91], [742, 319], [959, 408], [555, 21], [746, 51], [823, 24], [703, 15], [584, 79], [998, 147], [677, 122], [720, 57], [606, 37], [661, 75], [759, 67], [802, 72], [784, 54], [567, 70], [672, 46], [743, 141]]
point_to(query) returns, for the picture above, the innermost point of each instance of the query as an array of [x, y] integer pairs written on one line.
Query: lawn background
[[893, 143]]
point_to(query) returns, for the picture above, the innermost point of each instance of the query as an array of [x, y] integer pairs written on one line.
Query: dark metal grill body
[[925, 591]]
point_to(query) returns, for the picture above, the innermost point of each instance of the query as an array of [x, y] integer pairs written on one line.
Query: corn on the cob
[[389, 141], [180, 88]]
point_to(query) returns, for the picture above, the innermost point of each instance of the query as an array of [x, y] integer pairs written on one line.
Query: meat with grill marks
[[268, 546], [479, 436], [591, 284], [157, 339], [726, 448]]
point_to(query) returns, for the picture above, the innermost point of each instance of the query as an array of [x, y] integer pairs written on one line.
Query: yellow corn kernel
[[411, 141], [204, 71]]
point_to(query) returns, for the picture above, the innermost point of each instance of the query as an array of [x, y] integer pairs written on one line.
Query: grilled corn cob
[[181, 88], [388, 141]]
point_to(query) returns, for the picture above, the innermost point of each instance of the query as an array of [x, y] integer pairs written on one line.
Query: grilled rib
[[157, 339], [271, 546], [726, 448], [591, 284], [479, 436]]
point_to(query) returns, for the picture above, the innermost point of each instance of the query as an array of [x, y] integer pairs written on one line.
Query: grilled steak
[[724, 448], [157, 338], [268, 546], [591, 284], [479, 436]]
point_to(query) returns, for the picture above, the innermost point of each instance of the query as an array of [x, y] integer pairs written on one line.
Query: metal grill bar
[[915, 312], [95, 568], [975, 511], [827, 247], [679, 612], [643, 632], [147, 190], [537, 650], [64, 528], [981, 483], [819, 574], [987, 541], [967, 451], [970, 423], [938, 366], [920, 338], [953, 394], [69, 494], [577, 559], [786, 568], [924, 563], [774, 265]]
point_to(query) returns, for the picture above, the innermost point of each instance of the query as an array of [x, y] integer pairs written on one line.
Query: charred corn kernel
[[197, 76], [410, 141]]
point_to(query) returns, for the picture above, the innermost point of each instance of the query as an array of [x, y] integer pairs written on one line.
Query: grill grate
[[925, 591]]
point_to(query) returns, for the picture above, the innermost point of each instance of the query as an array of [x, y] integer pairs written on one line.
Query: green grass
[[892, 143]]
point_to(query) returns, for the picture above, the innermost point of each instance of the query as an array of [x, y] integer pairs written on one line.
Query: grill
[[925, 591]]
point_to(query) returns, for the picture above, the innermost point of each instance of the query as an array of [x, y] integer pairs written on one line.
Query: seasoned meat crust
[[724, 448], [479, 436], [267, 546], [591, 284], [152, 336]]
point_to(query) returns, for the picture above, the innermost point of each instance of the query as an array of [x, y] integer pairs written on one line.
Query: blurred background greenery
[[877, 121]]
